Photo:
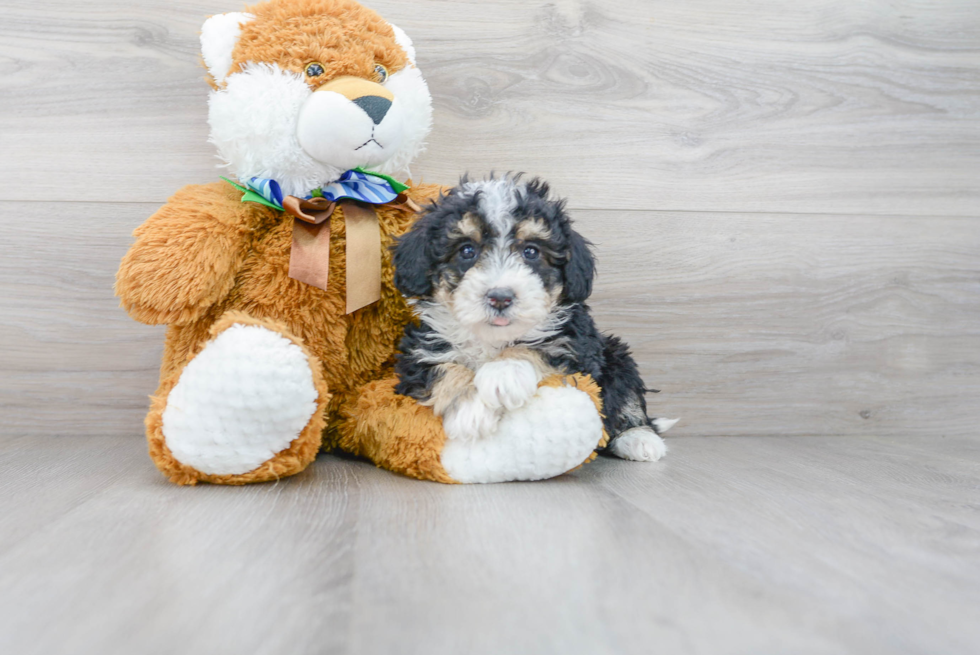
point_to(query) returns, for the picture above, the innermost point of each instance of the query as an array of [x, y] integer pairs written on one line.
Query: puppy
[[499, 280]]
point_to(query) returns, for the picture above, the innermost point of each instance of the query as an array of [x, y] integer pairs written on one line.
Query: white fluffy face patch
[[502, 266], [253, 125], [414, 104], [493, 264], [501, 269], [267, 122]]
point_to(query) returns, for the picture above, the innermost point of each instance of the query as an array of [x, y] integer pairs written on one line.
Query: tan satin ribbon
[[309, 259], [405, 203], [363, 255]]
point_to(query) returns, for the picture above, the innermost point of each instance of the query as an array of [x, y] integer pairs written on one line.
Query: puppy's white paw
[[639, 444], [470, 419], [507, 383]]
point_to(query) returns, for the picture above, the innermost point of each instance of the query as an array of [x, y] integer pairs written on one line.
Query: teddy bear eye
[[314, 68], [380, 73]]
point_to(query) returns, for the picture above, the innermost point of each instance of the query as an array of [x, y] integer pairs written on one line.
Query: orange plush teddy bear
[[277, 284]]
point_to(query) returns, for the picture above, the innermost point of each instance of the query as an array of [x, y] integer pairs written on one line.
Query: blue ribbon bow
[[356, 184]]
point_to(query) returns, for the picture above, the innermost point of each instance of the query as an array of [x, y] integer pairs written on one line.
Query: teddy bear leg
[[394, 432], [555, 431], [249, 407]]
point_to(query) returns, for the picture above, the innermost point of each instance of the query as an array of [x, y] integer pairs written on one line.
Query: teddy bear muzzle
[[372, 120]]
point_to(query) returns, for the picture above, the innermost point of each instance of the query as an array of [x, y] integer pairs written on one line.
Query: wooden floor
[[786, 207], [750, 545]]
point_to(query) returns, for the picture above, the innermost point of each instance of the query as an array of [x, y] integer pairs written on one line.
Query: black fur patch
[[416, 378], [608, 360], [427, 254]]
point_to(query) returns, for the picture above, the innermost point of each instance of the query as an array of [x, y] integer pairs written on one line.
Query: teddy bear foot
[[555, 431], [247, 408]]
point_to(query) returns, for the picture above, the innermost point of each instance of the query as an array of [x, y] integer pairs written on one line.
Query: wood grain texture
[[753, 545], [870, 107], [763, 320], [72, 362], [797, 324], [776, 324], [784, 202]]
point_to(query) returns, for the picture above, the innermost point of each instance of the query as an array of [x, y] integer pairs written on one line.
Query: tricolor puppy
[[500, 280]]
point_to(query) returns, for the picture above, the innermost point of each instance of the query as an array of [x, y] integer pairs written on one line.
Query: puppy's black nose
[[500, 298], [374, 106]]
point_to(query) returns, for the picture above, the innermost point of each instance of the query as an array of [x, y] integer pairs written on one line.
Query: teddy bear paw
[[244, 398], [553, 432]]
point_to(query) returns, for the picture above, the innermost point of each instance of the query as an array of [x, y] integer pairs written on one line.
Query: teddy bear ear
[[406, 43], [219, 34]]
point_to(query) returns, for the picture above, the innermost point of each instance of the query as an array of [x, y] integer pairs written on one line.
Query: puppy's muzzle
[[500, 299]]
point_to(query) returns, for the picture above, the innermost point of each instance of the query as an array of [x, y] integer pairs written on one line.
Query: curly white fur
[[506, 383], [470, 419], [501, 386], [253, 126]]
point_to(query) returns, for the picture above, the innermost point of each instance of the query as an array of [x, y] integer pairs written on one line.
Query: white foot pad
[[639, 445], [552, 433], [244, 398]]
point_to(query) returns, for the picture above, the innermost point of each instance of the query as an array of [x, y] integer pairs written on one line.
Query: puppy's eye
[[531, 253], [380, 73], [467, 252], [314, 68]]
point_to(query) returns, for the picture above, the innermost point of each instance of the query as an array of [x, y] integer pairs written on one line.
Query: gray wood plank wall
[[785, 198]]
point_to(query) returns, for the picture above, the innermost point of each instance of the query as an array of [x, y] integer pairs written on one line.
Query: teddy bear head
[[304, 90]]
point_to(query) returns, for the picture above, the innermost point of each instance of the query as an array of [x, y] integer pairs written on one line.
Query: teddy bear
[[276, 281]]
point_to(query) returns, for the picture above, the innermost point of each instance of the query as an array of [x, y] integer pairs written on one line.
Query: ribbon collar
[[356, 184], [356, 191]]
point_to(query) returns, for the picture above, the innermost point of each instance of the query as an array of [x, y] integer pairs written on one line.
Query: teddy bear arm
[[185, 257]]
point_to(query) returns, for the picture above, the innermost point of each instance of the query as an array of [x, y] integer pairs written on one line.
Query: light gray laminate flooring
[[786, 213], [729, 545]]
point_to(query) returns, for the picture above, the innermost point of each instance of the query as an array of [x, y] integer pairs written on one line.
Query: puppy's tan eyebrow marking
[[470, 226], [532, 228]]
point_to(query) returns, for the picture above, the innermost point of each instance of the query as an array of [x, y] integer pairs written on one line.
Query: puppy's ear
[[412, 261], [579, 269]]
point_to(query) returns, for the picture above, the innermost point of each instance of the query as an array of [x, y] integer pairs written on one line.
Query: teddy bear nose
[[374, 106]]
